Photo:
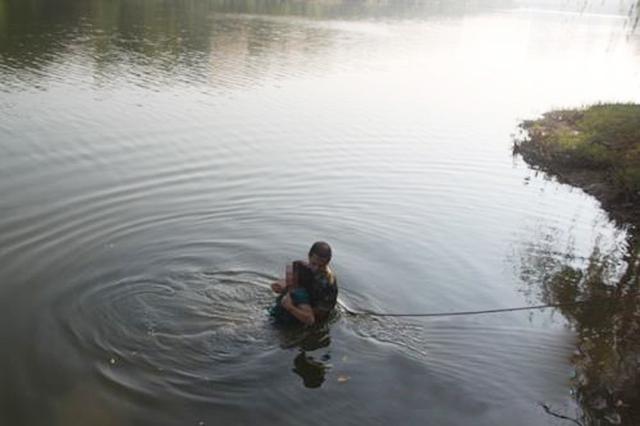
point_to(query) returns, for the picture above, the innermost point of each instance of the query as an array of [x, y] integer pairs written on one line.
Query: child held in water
[[293, 304]]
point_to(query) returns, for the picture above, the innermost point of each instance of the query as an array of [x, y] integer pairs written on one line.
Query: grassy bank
[[595, 148]]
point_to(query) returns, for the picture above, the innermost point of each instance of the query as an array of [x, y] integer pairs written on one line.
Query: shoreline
[[557, 145]]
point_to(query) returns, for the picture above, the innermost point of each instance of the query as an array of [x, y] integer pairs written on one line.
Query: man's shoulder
[[331, 276], [324, 293]]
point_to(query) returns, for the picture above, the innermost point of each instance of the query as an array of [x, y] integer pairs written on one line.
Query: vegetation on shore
[[597, 149]]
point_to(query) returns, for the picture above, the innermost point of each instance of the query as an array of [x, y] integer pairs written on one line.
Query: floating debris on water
[[343, 379]]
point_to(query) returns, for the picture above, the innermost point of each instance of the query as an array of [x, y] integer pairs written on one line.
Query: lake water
[[161, 161]]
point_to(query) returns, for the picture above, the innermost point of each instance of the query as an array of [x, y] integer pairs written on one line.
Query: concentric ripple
[[177, 333]]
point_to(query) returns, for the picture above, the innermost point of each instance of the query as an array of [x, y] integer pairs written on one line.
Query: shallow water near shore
[[160, 162]]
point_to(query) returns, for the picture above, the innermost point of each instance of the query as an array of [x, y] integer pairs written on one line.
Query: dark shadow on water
[[313, 354], [310, 370]]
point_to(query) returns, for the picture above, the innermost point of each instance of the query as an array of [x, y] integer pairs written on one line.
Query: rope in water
[[460, 313]]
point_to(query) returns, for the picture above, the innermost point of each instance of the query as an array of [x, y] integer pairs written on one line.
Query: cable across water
[[459, 313]]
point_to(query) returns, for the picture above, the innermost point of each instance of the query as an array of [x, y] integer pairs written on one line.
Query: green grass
[[603, 136]]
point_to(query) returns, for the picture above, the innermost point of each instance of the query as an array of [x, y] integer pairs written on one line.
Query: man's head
[[319, 255]]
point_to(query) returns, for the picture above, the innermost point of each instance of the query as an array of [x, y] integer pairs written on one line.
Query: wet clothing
[[323, 292], [299, 296]]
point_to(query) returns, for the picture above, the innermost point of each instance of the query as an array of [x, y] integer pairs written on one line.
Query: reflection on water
[[196, 41], [311, 371], [313, 347], [168, 29], [606, 360]]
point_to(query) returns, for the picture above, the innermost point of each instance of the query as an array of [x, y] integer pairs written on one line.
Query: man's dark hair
[[321, 249]]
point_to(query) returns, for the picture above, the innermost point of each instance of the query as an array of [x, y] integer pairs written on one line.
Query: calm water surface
[[160, 162]]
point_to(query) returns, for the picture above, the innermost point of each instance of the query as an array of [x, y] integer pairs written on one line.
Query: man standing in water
[[322, 288]]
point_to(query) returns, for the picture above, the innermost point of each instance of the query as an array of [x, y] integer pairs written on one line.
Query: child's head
[[302, 275], [319, 255]]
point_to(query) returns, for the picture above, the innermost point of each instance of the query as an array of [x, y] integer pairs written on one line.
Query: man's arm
[[320, 314], [302, 312]]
